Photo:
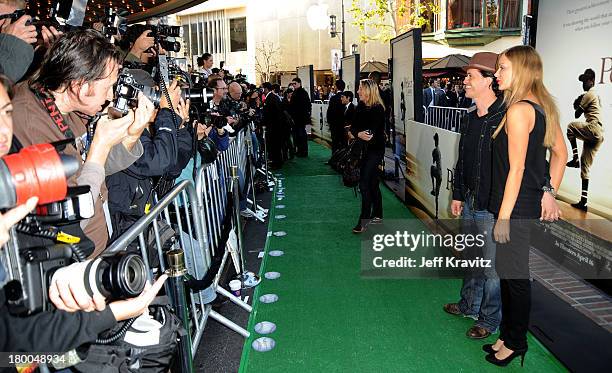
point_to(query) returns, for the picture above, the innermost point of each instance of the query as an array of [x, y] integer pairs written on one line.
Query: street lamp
[[354, 49], [333, 28]]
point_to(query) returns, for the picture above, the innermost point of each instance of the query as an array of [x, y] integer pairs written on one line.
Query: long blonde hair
[[371, 89], [527, 76]]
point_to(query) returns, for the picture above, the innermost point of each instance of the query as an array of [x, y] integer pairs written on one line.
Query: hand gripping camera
[[48, 240]]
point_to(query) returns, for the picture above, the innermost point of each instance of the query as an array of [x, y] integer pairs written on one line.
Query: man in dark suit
[[349, 115], [335, 117], [300, 109], [273, 121], [433, 95]]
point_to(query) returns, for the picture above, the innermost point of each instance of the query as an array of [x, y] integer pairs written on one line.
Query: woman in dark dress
[[369, 126], [520, 144]]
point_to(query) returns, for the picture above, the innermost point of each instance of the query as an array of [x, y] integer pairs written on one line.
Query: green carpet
[[329, 319]]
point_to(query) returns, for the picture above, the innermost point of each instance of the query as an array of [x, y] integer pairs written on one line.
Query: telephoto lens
[[120, 276], [197, 95], [37, 170]]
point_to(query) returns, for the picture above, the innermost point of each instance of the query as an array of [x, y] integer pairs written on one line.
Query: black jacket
[[482, 166], [335, 113], [272, 111], [130, 190], [300, 107], [51, 331], [373, 119]]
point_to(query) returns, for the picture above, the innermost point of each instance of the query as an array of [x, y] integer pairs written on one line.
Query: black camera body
[[126, 93], [120, 276]]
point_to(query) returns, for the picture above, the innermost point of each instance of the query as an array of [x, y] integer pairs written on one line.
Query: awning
[[453, 61], [370, 66]]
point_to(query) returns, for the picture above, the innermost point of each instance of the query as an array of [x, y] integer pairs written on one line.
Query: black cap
[[589, 74]]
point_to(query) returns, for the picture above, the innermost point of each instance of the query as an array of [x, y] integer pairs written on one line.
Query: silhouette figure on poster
[[590, 131], [436, 171]]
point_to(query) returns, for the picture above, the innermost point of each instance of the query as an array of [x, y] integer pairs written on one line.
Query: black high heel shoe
[[488, 348], [503, 362]]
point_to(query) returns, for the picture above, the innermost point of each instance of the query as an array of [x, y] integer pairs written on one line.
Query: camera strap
[[56, 116]]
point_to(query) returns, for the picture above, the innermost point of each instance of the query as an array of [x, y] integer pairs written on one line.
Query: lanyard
[[48, 103]]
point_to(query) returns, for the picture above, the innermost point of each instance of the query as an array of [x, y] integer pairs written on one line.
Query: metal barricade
[[448, 118], [199, 232]]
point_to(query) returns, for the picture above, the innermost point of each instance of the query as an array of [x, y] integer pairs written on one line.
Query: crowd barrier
[[448, 118], [186, 235]]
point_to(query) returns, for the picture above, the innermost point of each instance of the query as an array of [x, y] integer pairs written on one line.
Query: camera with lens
[[49, 239], [65, 15], [164, 35], [126, 93], [120, 276], [128, 86], [114, 23]]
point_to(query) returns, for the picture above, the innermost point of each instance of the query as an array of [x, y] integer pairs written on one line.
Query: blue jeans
[[480, 294]]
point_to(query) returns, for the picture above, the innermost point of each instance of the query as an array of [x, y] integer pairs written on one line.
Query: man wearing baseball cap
[[590, 132]]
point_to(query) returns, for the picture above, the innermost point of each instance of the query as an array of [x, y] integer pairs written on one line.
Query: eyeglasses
[[222, 88]]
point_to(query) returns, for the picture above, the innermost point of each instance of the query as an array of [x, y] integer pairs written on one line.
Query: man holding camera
[[73, 83], [18, 37]]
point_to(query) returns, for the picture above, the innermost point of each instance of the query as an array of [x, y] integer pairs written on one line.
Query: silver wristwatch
[[549, 189]]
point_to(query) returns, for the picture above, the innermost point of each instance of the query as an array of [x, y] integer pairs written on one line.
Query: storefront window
[[464, 14], [498, 14], [511, 13]]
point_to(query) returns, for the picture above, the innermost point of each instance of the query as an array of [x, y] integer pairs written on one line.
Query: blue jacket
[[130, 190]]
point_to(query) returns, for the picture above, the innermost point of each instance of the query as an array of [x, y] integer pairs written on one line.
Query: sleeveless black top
[[528, 202]]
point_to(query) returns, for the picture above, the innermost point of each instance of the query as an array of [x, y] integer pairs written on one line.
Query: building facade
[[247, 35]]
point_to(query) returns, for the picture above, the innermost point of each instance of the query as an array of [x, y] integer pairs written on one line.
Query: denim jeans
[[480, 294]]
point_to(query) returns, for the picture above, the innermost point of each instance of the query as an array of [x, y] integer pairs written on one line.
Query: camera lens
[[121, 276], [197, 95]]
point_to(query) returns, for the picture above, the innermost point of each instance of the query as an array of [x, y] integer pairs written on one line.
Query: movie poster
[[431, 155], [583, 27], [306, 74], [350, 74]]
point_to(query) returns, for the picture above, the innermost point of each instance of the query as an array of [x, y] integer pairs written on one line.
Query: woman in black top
[[530, 128], [369, 126]]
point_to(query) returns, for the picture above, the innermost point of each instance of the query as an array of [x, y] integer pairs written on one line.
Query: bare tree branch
[[267, 59]]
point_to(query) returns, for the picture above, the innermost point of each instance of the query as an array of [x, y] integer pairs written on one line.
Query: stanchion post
[[176, 286], [251, 166], [265, 146], [238, 226]]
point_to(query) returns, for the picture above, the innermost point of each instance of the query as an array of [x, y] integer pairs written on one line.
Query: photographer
[[205, 63], [215, 130], [16, 51], [131, 189], [54, 331], [20, 42], [71, 86]]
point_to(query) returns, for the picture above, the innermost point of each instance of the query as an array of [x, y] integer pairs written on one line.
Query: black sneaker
[[359, 229]]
